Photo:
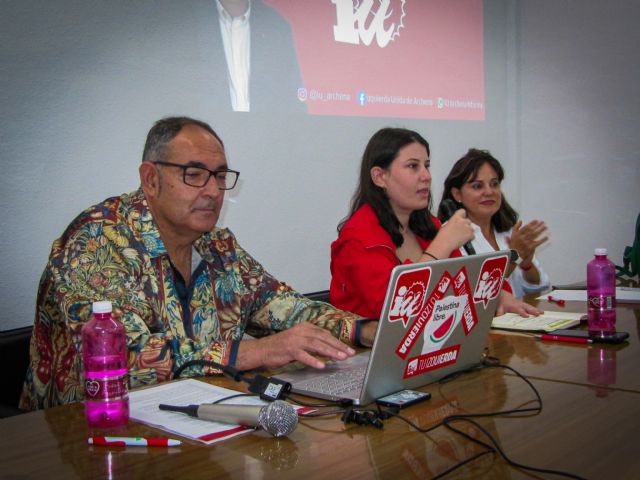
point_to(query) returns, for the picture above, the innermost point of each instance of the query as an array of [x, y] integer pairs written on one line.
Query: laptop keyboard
[[339, 382]]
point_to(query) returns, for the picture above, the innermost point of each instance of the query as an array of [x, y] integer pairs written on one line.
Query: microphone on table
[[277, 418], [449, 208]]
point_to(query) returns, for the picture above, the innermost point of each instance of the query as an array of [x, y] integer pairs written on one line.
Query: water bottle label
[[602, 302], [113, 388]]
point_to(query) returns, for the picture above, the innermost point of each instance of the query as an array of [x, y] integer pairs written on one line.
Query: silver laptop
[[434, 321]]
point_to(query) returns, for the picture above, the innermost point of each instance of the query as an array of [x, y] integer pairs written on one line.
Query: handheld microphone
[[449, 208], [277, 418]]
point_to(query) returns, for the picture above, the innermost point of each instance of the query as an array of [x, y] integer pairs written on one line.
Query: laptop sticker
[[438, 319], [490, 280], [447, 314], [409, 294], [431, 361], [415, 330], [461, 286]]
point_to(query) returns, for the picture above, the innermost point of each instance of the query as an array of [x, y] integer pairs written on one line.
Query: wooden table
[[589, 426], [602, 367]]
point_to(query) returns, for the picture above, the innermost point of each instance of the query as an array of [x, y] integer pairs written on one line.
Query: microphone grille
[[448, 207], [278, 418]]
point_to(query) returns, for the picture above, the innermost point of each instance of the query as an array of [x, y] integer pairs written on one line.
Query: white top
[[517, 281], [236, 40], [101, 307]]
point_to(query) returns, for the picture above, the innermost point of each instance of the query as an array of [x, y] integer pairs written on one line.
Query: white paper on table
[[568, 295], [623, 295], [143, 406], [627, 295]]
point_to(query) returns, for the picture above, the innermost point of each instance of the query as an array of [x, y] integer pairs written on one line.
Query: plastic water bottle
[[104, 355], [601, 293]]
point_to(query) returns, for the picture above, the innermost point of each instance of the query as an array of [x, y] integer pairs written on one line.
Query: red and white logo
[[368, 19], [423, 316], [409, 295], [447, 314], [431, 361], [490, 280], [461, 286]]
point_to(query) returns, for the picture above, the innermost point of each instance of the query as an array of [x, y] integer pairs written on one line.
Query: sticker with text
[[461, 286], [447, 314], [415, 330], [431, 361]]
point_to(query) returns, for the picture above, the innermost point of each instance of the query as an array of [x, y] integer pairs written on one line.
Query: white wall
[[82, 82], [578, 115]]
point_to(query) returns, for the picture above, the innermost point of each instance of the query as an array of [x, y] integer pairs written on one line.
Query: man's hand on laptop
[[507, 303], [299, 343]]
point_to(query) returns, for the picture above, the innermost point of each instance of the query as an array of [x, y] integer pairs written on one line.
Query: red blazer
[[361, 262]]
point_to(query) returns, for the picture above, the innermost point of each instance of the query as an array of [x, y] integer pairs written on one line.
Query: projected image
[[256, 68], [388, 58]]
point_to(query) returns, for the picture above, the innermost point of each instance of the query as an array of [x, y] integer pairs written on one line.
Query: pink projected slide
[[389, 58]]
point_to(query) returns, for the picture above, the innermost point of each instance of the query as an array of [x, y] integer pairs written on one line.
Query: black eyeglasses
[[199, 176]]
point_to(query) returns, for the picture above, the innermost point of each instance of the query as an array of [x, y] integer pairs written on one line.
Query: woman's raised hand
[[526, 238], [453, 234]]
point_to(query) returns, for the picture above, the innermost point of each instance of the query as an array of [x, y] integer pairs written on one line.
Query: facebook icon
[[362, 98]]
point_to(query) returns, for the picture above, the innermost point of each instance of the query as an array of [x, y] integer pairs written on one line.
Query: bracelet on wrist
[[429, 255], [526, 268]]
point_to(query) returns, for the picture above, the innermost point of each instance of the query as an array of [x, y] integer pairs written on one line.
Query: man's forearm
[[249, 355]]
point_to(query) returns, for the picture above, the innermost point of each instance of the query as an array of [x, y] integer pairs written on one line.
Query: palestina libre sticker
[[447, 314]]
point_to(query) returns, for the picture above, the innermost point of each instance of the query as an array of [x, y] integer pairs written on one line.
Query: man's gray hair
[[165, 130]]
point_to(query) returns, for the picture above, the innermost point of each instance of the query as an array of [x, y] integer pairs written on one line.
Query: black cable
[[462, 464], [225, 369], [353, 414], [325, 413], [224, 399], [268, 389], [310, 426], [336, 403], [494, 447], [414, 425]]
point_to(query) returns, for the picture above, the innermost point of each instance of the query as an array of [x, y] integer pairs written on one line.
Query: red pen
[[559, 301], [133, 442], [560, 338]]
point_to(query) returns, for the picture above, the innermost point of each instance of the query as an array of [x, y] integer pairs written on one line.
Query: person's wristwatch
[[514, 257]]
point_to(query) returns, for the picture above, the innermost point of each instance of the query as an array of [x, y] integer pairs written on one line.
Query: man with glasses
[[184, 289]]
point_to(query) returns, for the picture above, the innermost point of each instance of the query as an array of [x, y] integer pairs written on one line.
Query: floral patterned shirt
[[113, 251]]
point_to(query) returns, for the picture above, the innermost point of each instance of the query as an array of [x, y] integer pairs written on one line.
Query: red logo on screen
[[409, 293], [490, 280], [368, 19]]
